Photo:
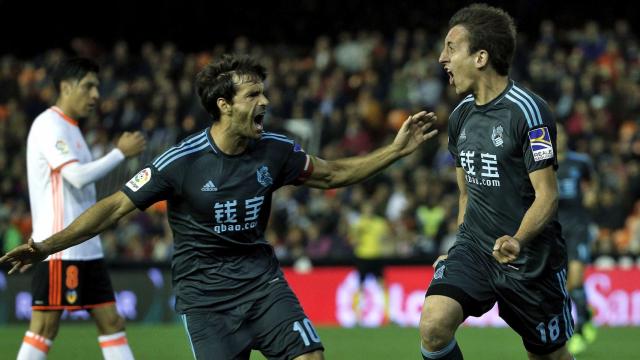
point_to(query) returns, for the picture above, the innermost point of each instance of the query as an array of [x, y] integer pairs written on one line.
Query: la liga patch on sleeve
[[540, 142], [138, 181]]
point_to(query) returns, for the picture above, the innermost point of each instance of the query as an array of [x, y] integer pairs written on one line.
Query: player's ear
[[224, 106], [482, 59], [65, 87]]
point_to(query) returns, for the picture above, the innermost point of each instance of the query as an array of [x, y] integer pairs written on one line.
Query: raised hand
[[415, 131], [131, 144]]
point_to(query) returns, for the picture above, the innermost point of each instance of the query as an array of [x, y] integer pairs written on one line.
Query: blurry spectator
[[369, 235]]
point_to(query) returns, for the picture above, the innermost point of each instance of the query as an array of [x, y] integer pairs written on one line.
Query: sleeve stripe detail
[[276, 138], [532, 121], [307, 163], [59, 168], [531, 104], [182, 153], [306, 171], [176, 149]]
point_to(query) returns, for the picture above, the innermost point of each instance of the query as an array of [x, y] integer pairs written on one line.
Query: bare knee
[[440, 318], [45, 323], [314, 355], [109, 323], [435, 335]]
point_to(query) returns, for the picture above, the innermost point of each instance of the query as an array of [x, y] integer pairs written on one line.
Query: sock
[[115, 346], [34, 347], [449, 352], [579, 297]]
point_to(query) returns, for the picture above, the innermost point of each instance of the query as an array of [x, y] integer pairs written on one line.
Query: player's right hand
[[131, 143], [440, 258], [24, 256]]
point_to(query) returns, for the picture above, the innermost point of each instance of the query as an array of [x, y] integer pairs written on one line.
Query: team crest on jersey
[[540, 142], [463, 135], [71, 296], [496, 136], [62, 147], [264, 178], [139, 180]]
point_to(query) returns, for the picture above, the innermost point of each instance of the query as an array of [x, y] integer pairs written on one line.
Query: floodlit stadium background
[[342, 75]]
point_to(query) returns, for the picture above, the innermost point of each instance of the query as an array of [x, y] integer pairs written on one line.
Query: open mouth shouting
[[258, 120], [450, 73]]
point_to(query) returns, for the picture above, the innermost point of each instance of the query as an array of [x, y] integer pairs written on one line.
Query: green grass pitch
[[78, 341]]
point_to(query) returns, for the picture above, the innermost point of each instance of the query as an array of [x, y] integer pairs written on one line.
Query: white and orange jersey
[[55, 141]]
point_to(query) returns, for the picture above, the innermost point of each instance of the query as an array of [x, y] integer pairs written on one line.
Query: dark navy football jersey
[[218, 209], [497, 145], [572, 171]]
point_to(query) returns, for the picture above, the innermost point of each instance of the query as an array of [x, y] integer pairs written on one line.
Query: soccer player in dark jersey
[[230, 290], [508, 246], [575, 179]]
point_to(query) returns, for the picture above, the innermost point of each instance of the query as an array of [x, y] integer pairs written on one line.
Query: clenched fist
[[131, 144]]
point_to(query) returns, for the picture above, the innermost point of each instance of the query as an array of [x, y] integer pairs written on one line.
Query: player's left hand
[[415, 131], [506, 249], [24, 256]]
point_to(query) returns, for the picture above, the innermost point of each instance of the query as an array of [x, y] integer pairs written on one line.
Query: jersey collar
[[64, 116], [251, 146], [497, 99]]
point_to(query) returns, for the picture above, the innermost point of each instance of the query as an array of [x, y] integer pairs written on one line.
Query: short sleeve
[[539, 139], [57, 146], [147, 187], [297, 166]]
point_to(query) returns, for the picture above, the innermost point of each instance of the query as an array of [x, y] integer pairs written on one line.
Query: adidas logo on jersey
[[209, 186]]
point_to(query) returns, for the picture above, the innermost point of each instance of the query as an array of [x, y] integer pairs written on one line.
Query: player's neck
[[228, 142], [66, 109], [489, 87]]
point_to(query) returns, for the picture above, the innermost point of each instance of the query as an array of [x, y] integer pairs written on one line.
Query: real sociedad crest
[[264, 178], [463, 135], [496, 136]]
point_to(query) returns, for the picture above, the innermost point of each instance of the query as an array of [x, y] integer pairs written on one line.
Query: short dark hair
[[73, 69], [216, 80], [491, 29]]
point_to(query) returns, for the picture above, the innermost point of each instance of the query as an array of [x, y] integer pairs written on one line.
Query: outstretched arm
[[329, 174], [91, 223]]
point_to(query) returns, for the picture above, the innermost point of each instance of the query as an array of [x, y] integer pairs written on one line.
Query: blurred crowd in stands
[[343, 96]]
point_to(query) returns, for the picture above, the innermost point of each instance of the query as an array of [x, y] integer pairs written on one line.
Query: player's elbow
[[76, 181], [328, 176]]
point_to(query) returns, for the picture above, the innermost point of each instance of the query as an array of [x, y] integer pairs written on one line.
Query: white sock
[[115, 346], [34, 347]]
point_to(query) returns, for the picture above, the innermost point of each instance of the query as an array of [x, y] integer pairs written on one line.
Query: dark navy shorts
[[538, 309]]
